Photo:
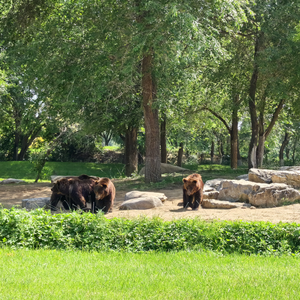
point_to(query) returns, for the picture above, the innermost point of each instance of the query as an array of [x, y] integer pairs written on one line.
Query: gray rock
[[11, 180], [141, 203], [167, 168], [272, 198], [138, 194], [217, 204], [244, 177], [290, 168], [213, 184], [260, 175], [237, 190], [35, 203], [290, 177], [258, 194], [211, 195]]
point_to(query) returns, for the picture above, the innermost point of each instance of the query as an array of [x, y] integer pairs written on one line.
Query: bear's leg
[[79, 200], [66, 202], [197, 201], [99, 206], [104, 205], [185, 200], [54, 200], [92, 200]]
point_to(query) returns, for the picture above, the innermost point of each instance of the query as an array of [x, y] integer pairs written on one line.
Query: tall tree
[[273, 76], [74, 55]]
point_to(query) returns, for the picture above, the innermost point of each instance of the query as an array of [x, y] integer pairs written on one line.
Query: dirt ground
[[12, 195]]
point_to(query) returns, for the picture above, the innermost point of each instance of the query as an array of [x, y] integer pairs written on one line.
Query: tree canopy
[[117, 66]]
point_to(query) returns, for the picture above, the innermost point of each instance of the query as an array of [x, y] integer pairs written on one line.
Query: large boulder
[[213, 184], [141, 203], [138, 194], [258, 194], [211, 195], [244, 177], [11, 180], [260, 175], [217, 204], [167, 168], [272, 198], [290, 168], [290, 177], [35, 203]]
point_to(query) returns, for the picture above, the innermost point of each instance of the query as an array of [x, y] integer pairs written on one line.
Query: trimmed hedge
[[40, 229]]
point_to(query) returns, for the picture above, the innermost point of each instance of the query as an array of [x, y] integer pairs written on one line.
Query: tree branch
[[219, 117], [274, 118]]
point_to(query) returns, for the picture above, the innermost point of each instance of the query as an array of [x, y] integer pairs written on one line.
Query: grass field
[[24, 170], [41, 274], [55, 274]]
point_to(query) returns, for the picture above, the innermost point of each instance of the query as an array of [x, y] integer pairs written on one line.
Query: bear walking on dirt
[[193, 191], [105, 193]]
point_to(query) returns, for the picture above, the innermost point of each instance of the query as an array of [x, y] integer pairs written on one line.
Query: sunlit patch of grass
[[112, 148], [23, 170], [45, 274]]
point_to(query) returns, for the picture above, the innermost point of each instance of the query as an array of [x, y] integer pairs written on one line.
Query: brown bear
[[73, 192], [193, 191], [105, 193]]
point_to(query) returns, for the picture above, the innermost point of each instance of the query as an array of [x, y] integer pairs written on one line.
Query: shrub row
[[40, 229]]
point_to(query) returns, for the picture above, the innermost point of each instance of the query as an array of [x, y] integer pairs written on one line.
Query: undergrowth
[[39, 229]]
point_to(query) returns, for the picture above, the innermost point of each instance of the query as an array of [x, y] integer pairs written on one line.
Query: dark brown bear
[[193, 191], [105, 193], [73, 192]]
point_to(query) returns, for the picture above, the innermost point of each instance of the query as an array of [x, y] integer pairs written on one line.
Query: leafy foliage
[[40, 229]]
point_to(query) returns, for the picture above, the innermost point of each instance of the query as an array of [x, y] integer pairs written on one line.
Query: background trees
[[114, 67]]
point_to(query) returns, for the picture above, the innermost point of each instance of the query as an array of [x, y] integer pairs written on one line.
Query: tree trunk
[[107, 137], [212, 151], [221, 151], [239, 154], [16, 143], [254, 124], [40, 164], [27, 141], [264, 134], [16, 146], [163, 140], [153, 159], [234, 136], [287, 153], [252, 106], [131, 152], [283, 145], [180, 154], [261, 134], [294, 149]]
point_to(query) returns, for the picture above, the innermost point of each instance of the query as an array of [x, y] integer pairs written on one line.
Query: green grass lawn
[[44, 274], [24, 170]]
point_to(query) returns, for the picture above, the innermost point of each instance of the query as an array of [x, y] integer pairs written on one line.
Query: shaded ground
[[12, 195]]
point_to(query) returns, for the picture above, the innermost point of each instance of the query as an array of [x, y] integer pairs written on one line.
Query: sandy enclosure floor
[[12, 195]]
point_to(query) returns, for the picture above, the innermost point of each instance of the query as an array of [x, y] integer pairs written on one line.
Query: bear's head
[[61, 186], [101, 188], [192, 184]]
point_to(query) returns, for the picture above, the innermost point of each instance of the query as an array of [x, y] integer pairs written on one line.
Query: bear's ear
[[184, 180], [104, 185]]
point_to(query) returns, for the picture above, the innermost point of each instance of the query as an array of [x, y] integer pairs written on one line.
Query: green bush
[[40, 229]]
